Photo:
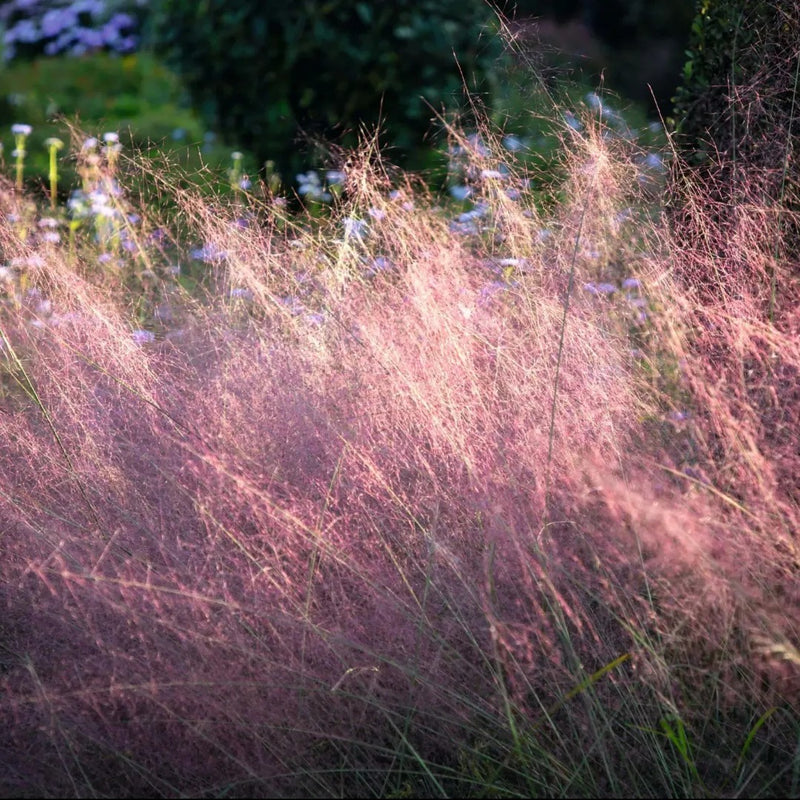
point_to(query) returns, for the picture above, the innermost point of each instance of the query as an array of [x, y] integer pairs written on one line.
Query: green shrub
[[737, 121], [737, 112], [135, 95], [739, 81], [264, 74]]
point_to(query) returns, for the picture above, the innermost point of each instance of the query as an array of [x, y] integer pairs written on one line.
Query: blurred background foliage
[[272, 79], [275, 77]]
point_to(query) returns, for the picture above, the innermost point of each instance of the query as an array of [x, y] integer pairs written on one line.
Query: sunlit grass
[[405, 496]]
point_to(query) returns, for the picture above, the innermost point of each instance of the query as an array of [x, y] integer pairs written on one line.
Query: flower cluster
[[52, 27]]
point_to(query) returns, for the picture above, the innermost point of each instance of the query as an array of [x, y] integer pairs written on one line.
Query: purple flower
[[598, 289], [460, 192], [379, 264], [141, 337], [490, 290], [678, 416], [58, 20], [209, 253]]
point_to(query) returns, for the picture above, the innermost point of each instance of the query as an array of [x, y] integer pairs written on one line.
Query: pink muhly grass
[[440, 528]]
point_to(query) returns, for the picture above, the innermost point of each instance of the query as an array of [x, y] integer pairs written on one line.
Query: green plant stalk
[[750, 736], [20, 165], [54, 145]]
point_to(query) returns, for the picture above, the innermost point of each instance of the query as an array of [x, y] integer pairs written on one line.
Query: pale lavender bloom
[[92, 7], [631, 283], [54, 237], [513, 193], [88, 39], [24, 31], [107, 212], [490, 290], [477, 145], [480, 211], [654, 162], [309, 184], [379, 264], [19, 152], [598, 289], [240, 293], [512, 143], [128, 44], [98, 198], [48, 222], [163, 313], [377, 213], [335, 176], [43, 308], [491, 174], [111, 137], [460, 192], [21, 129], [209, 253], [695, 474], [464, 228], [57, 20], [354, 227], [34, 261], [143, 337], [78, 205], [292, 304], [624, 216]]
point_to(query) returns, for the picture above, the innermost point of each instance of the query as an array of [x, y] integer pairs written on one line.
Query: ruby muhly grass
[[370, 504]]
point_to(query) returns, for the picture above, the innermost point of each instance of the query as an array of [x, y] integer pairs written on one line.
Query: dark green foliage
[[635, 47], [739, 82], [266, 73], [737, 115]]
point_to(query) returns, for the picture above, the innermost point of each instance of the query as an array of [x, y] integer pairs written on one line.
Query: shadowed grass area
[[397, 500]]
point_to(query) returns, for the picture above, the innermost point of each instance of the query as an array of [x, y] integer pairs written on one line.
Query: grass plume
[[391, 502]]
